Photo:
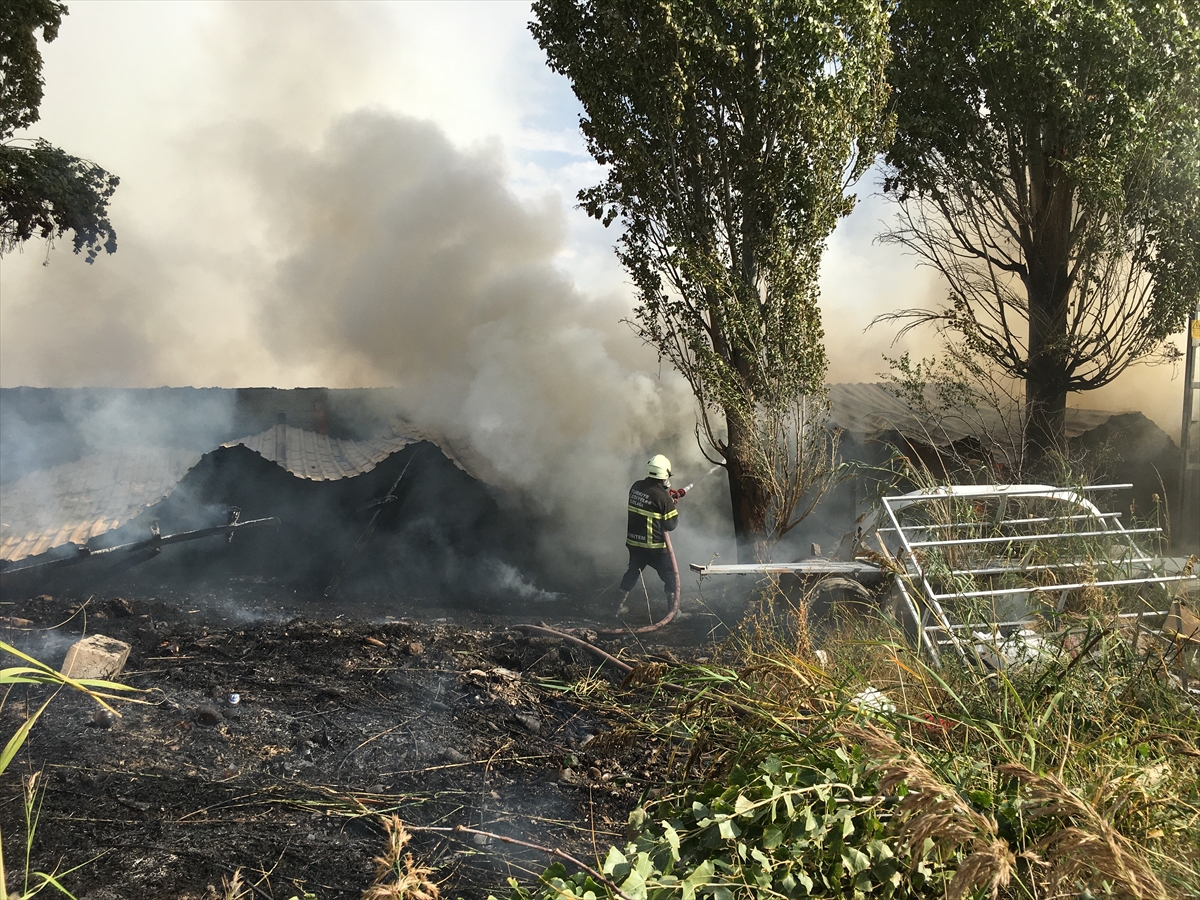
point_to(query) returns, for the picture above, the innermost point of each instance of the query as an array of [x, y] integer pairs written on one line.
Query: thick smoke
[[293, 243], [413, 264]]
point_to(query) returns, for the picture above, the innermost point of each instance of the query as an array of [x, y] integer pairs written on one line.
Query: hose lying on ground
[[665, 620], [601, 655]]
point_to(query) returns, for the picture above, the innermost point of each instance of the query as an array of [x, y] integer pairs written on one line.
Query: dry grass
[[397, 875], [1085, 849], [931, 816], [233, 887]]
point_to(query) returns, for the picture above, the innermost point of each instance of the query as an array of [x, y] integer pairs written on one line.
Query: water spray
[[677, 494]]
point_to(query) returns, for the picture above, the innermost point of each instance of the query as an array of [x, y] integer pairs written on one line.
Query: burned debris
[[118, 508]]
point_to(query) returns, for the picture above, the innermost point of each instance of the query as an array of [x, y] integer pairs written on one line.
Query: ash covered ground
[[445, 716]]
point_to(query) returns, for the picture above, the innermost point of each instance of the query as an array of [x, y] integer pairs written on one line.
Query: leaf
[[14, 743], [701, 877], [727, 829], [635, 886], [855, 860], [615, 858], [744, 806], [672, 838]]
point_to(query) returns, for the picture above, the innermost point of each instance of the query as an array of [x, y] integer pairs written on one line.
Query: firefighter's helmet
[[659, 467]]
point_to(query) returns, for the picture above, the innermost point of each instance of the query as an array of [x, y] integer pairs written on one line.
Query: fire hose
[[671, 611]]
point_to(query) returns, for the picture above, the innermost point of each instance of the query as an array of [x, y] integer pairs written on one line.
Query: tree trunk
[[746, 493], [1048, 287]]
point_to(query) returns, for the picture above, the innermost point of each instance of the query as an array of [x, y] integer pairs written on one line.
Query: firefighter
[[651, 513]]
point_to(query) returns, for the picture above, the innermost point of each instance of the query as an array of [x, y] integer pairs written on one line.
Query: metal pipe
[[1032, 537], [1044, 588], [85, 553], [1030, 491], [1000, 570], [1023, 623], [930, 596], [1038, 521]]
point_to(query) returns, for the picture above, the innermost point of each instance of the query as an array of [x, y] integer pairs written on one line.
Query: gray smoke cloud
[[411, 263]]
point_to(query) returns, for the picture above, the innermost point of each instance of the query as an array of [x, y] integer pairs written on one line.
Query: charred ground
[[340, 720]]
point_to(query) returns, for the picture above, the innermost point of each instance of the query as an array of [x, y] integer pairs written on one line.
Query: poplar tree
[[730, 132]]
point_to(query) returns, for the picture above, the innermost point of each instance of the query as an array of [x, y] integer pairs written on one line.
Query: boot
[[623, 609]]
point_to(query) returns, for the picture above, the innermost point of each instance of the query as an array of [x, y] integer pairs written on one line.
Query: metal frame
[[923, 606], [932, 637]]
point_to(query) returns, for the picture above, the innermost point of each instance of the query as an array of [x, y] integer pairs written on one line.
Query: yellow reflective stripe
[[651, 514]]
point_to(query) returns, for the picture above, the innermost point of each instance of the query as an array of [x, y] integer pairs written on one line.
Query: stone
[[530, 723], [95, 656], [104, 718], [207, 714]]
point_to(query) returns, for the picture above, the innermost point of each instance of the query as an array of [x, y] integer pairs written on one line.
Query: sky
[[358, 194]]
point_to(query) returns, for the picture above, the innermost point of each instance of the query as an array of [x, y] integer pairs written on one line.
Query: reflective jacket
[[651, 512]]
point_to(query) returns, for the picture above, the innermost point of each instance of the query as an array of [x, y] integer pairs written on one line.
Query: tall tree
[[44, 191], [730, 131], [1047, 161]]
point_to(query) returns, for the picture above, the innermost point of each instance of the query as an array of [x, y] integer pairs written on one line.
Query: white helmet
[[659, 467]]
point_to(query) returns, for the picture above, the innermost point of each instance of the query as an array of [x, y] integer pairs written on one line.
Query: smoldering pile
[[358, 502]]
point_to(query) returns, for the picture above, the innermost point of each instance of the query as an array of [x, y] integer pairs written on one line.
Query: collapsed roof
[[81, 501], [75, 502], [873, 411]]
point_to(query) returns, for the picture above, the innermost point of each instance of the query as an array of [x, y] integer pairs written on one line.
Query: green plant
[[33, 883], [1073, 775], [35, 672]]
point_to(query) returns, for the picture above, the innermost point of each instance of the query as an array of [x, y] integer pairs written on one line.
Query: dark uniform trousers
[[658, 560]]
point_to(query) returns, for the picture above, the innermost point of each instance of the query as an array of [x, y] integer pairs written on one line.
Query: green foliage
[[1073, 776], [44, 191], [21, 61], [1047, 158], [730, 132], [33, 882], [797, 828], [35, 672]]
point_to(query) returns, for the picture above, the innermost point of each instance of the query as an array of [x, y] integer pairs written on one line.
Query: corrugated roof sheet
[[73, 503], [871, 410], [458, 452], [318, 457]]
